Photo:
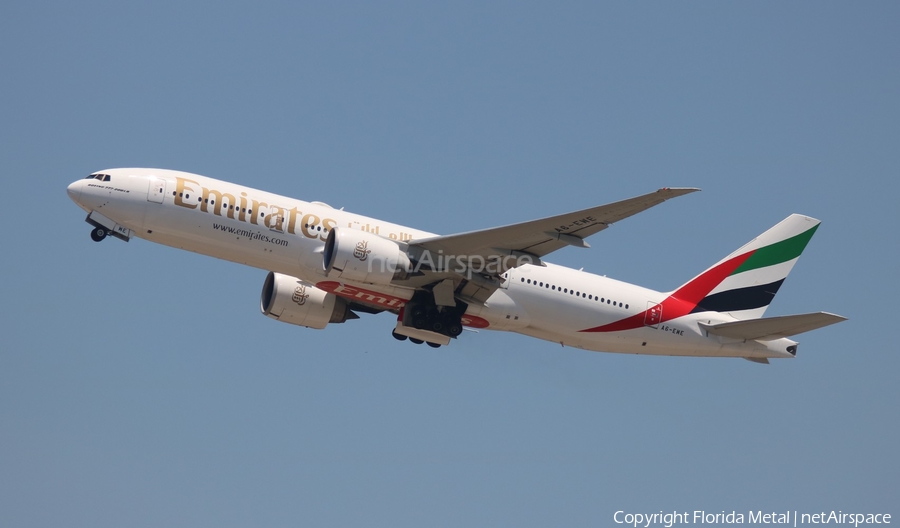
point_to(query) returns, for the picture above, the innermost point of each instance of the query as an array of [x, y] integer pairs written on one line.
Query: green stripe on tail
[[778, 252]]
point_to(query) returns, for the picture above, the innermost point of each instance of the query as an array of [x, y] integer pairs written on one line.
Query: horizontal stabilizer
[[762, 361], [772, 328]]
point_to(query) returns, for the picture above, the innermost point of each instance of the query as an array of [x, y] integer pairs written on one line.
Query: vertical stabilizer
[[745, 282]]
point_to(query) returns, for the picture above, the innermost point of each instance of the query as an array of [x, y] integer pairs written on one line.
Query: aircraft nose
[[74, 191]]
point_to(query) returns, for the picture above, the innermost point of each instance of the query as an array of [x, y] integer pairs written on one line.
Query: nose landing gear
[[98, 234], [104, 227]]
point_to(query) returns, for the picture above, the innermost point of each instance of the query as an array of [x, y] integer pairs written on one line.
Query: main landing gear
[[447, 321], [422, 313], [98, 234], [401, 337]]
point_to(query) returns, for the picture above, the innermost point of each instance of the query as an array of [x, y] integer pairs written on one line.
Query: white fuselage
[[287, 236]]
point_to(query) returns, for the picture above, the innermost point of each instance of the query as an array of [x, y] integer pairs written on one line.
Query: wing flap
[[771, 328]]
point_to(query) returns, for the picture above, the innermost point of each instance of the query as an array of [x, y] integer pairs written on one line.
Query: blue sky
[[140, 385]]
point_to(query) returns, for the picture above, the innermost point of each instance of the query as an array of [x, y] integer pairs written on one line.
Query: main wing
[[481, 257]]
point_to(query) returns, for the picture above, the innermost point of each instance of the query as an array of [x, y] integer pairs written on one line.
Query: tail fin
[[745, 282]]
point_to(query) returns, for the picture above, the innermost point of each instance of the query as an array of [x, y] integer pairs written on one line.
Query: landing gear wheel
[[98, 234], [416, 341], [398, 337], [433, 345], [419, 317], [422, 313]]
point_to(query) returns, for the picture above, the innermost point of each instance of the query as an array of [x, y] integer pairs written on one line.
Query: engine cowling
[[291, 300], [361, 256]]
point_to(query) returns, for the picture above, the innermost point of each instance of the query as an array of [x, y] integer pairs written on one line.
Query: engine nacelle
[[361, 256], [291, 300]]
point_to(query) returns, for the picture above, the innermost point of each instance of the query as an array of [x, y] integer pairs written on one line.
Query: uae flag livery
[[742, 284]]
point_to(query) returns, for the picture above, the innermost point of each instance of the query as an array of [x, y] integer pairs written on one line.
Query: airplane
[[327, 265]]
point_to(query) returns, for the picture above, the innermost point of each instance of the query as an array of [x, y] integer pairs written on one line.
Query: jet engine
[[361, 256], [291, 300]]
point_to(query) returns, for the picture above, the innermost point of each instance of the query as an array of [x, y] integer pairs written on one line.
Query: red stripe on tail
[[683, 300]]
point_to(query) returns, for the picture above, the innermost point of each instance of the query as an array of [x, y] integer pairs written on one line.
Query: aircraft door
[[653, 315], [156, 190]]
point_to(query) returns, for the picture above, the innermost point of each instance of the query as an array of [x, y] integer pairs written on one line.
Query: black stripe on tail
[[739, 299]]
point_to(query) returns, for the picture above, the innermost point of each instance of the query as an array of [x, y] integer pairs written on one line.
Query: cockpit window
[[101, 177]]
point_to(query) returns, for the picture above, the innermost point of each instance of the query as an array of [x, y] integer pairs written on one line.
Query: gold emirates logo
[[300, 295], [244, 209], [361, 252]]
